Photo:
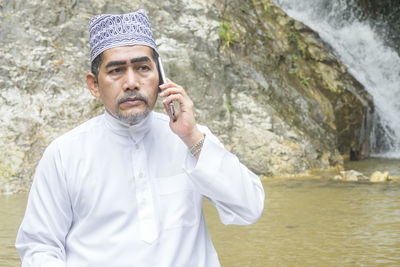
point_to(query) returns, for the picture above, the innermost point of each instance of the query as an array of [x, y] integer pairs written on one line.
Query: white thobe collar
[[136, 132]]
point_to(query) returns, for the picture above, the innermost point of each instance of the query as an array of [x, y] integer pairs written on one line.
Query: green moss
[[294, 61], [294, 40], [227, 35], [228, 106]]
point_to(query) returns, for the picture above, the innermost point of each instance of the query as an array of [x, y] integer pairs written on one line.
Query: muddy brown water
[[306, 222]]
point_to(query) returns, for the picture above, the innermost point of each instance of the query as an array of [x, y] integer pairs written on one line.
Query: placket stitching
[[144, 195]]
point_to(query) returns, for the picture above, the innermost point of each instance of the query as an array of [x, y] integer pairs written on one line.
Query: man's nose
[[131, 80]]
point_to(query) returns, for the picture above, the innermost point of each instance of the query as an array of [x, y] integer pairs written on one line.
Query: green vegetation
[[227, 35], [337, 90], [294, 67], [294, 61], [303, 79], [266, 4], [228, 106], [267, 7], [294, 40]]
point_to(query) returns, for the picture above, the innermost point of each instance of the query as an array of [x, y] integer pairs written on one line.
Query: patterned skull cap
[[109, 31]]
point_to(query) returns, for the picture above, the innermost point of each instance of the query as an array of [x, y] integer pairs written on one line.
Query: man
[[125, 188]]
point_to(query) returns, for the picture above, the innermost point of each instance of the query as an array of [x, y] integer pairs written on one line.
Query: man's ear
[[92, 84]]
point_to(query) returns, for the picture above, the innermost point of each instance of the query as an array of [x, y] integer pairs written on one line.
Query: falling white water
[[362, 49]]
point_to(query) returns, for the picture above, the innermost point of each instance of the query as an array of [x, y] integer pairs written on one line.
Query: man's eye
[[144, 68], [116, 71]]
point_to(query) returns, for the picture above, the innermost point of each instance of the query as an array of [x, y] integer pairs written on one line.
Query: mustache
[[132, 95]]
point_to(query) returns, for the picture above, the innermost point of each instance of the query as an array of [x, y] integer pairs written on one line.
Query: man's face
[[128, 82]]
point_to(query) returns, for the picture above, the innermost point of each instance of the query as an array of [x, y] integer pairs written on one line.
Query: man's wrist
[[196, 148], [194, 138]]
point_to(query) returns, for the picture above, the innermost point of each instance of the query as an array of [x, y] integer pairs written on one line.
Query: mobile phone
[[162, 80]]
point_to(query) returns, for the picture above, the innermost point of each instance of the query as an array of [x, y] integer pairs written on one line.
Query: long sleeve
[[236, 192], [93, 183], [41, 237]]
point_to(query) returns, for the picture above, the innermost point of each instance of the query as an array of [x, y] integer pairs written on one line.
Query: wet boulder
[[378, 176], [351, 176]]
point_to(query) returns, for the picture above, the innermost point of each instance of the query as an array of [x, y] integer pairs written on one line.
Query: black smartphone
[[162, 80]]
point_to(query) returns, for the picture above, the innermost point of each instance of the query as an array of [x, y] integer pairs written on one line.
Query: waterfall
[[360, 44]]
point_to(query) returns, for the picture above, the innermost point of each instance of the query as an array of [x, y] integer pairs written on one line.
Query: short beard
[[134, 118]]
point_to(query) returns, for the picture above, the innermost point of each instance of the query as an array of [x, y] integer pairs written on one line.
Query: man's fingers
[[172, 90], [173, 97]]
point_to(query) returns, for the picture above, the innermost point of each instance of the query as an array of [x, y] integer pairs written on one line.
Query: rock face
[[264, 83]]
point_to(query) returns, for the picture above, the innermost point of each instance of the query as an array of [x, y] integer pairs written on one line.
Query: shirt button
[[137, 146]]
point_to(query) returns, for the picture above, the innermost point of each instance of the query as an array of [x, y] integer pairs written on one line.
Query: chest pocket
[[178, 205]]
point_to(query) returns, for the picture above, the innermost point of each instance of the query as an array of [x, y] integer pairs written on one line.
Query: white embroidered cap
[[109, 31]]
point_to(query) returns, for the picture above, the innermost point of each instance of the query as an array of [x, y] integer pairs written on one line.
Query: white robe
[[112, 195]]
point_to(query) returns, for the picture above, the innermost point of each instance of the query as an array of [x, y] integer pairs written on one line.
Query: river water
[[306, 222]]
